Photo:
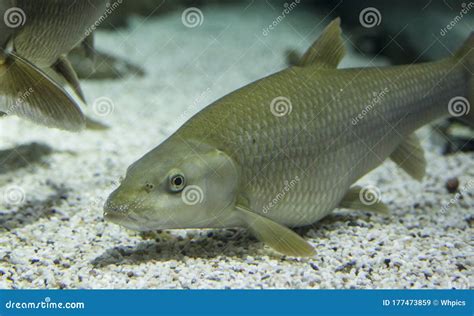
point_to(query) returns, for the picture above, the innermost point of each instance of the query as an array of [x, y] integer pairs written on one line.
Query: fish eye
[[177, 182]]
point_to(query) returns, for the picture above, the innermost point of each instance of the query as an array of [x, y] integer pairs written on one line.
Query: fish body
[[287, 149], [319, 145], [36, 37]]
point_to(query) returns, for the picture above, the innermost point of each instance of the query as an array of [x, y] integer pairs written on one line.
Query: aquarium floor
[[54, 236]]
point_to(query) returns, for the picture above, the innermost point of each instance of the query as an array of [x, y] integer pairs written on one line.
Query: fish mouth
[[113, 217], [116, 213], [125, 220], [130, 215]]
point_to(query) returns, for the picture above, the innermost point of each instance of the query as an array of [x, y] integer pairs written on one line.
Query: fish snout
[[115, 208]]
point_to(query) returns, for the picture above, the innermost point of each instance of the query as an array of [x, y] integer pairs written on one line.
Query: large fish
[[244, 162], [35, 37]]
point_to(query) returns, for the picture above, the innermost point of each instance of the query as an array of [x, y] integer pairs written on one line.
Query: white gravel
[[52, 234]]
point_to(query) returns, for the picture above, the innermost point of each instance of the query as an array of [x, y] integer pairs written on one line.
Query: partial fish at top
[[35, 38]]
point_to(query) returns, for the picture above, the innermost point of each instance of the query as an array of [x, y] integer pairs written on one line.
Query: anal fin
[[358, 198], [277, 236], [410, 156]]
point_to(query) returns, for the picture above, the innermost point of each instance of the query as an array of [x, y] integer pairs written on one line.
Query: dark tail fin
[[31, 94], [466, 57]]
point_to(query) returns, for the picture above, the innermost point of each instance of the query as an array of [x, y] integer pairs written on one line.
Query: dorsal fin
[[328, 50]]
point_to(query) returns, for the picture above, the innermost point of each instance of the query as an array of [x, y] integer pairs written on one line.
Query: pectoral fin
[[64, 68], [277, 236], [328, 50], [410, 157], [357, 199], [31, 94]]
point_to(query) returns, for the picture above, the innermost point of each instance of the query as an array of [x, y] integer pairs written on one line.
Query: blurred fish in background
[[36, 37], [102, 65], [375, 29], [148, 8]]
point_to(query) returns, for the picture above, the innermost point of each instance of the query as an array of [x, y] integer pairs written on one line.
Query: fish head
[[180, 184]]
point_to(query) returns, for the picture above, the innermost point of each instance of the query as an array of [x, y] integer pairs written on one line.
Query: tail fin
[[31, 94], [466, 57]]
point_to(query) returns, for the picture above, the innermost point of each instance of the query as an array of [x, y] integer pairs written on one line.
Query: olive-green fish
[[286, 150], [35, 37]]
